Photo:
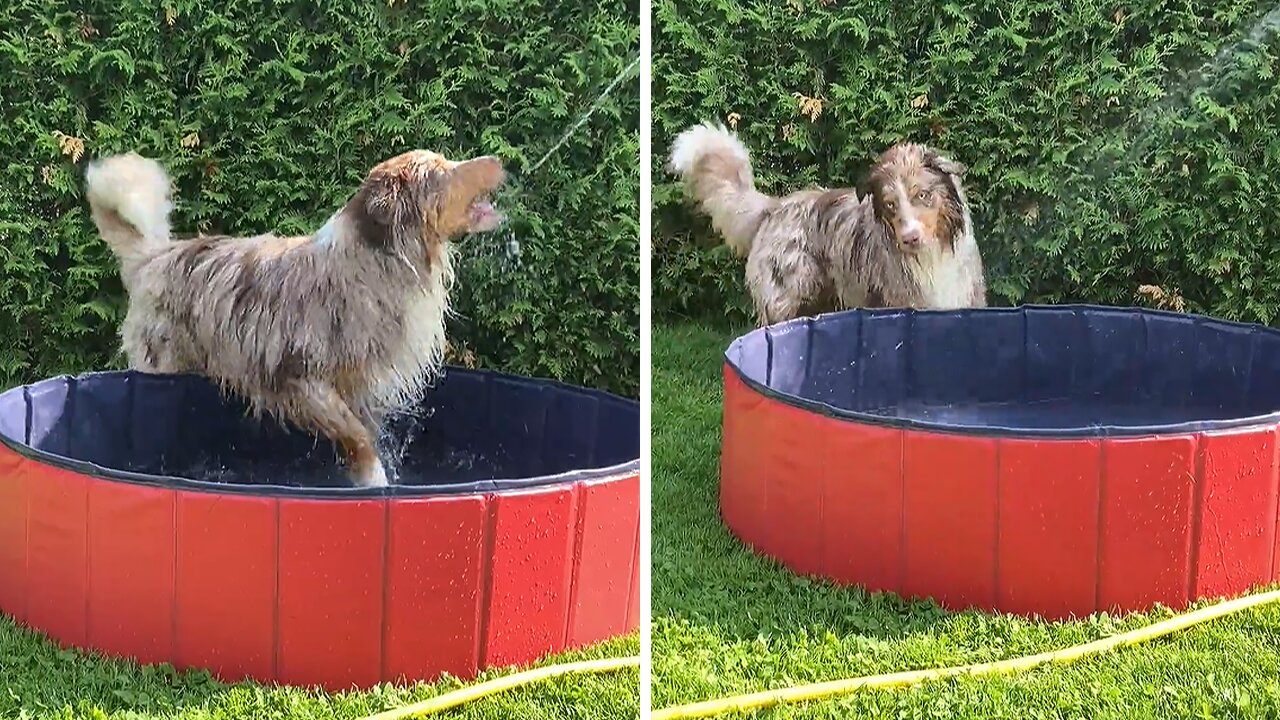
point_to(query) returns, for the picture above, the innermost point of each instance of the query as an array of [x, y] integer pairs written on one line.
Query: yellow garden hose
[[492, 687], [818, 691]]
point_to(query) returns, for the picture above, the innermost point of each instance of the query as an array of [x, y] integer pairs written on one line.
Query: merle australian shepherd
[[329, 331], [908, 242]]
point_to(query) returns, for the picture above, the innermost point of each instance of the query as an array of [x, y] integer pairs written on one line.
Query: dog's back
[[821, 250]]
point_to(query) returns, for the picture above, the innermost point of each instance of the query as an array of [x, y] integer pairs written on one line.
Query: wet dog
[[329, 331], [908, 242]]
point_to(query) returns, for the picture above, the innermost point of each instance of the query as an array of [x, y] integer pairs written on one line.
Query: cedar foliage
[[1112, 144], [268, 114]]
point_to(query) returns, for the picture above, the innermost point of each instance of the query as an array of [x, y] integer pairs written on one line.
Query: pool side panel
[[227, 569], [330, 593], [13, 535], [528, 602], [635, 592], [58, 553], [131, 571], [794, 456], [1235, 529], [434, 587], [950, 519], [862, 505], [1144, 551], [1048, 527], [608, 527], [743, 500]]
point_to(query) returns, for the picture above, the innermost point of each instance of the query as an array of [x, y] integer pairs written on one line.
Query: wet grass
[[40, 681]]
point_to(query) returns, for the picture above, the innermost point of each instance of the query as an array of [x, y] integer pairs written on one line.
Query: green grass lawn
[[727, 622], [38, 680]]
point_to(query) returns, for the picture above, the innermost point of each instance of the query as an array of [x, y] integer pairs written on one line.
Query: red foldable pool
[[143, 516], [1050, 461]]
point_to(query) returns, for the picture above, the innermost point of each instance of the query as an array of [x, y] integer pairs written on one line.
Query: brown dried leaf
[[789, 131], [87, 29], [733, 119], [920, 101], [1161, 298], [170, 16], [810, 107], [464, 356], [72, 147], [190, 140]]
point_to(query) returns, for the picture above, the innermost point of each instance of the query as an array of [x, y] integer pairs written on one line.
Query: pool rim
[[996, 431], [593, 475]]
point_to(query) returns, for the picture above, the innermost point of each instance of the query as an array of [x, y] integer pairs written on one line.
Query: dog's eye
[[923, 196]]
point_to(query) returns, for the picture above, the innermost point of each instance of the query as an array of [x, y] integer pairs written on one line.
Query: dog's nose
[[911, 238]]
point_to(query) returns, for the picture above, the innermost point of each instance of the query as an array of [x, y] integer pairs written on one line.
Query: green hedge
[[268, 114], [1112, 144]]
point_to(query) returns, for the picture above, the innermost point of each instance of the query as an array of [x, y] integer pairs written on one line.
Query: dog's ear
[[387, 195], [867, 183], [390, 208], [943, 164]]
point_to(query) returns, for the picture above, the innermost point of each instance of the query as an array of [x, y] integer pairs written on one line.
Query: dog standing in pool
[[909, 242], [329, 331]]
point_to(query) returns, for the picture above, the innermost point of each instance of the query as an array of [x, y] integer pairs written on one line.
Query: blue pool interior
[[473, 427], [1066, 370]]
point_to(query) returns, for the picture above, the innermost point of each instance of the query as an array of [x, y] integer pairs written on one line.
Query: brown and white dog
[[907, 243], [329, 331]]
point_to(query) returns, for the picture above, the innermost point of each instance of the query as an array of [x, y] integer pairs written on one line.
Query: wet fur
[[329, 331], [822, 250]]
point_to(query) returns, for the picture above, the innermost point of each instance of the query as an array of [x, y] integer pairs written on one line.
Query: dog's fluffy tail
[[130, 201], [716, 169]]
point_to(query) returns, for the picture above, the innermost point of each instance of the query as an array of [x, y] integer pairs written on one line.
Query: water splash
[[626, 73], [396, 436], [1209, 80], [498, 253], [1144, 139]]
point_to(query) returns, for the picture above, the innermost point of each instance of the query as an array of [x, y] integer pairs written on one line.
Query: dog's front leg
[[319, 407]]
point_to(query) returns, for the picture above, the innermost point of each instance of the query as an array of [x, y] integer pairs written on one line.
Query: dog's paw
[[373, 477]]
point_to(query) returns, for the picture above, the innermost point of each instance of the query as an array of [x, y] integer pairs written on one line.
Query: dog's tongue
[[482, 210]]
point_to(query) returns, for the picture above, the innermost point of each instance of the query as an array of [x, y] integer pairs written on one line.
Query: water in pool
[[1050, 414], [411, 456]]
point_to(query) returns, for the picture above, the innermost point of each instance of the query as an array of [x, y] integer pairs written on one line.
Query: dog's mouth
[[482, 216]]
